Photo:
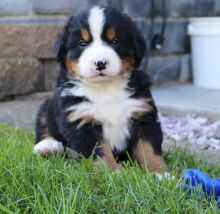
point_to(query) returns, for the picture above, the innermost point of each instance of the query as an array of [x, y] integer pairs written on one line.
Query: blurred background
[[29, 28]]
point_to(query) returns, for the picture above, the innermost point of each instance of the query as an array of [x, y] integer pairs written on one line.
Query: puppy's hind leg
[[45, 143], [144, 153]]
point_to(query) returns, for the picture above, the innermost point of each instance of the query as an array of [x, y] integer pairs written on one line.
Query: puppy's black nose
[[101, 65]]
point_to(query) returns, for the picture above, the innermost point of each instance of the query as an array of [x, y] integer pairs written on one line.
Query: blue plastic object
[[210, 186]]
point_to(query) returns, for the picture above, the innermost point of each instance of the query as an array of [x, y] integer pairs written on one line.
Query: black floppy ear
[[60, 48], [140, 46]]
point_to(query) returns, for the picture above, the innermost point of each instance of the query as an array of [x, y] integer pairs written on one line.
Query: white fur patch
[[94, 53], [96, 21], [110, 104], [48, 146]]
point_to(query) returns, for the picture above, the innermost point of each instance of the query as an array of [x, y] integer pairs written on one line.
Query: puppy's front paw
[[48, 146]]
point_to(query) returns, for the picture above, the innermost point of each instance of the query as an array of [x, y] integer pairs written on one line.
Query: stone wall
[[28, 31]]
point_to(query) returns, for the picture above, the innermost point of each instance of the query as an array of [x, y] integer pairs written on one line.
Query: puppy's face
[[100, 43]]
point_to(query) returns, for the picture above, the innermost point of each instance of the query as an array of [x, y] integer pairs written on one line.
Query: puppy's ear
[[60, 48], [140, 46]]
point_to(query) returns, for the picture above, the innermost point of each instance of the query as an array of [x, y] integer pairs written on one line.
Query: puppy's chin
[[104, 78], [100, 78]]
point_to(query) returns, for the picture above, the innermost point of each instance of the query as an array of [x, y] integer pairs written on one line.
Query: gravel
[[193, 129]]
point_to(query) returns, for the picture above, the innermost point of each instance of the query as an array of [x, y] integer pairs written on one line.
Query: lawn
[[32, 184]]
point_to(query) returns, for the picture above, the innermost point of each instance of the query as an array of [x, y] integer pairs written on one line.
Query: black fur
[[86, 138]]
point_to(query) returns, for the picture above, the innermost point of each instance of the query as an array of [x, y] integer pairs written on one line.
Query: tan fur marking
[[144, 154], [87, 119], [127, 64], [72, 66], [71, 116], [111, 33], [85, 34], [147, 107], [83, 119], [107, 159]]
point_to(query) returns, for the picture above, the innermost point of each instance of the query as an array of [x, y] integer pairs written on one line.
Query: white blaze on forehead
[[96, 21]]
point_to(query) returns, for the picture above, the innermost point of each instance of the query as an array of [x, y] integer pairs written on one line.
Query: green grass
[[32, 184]]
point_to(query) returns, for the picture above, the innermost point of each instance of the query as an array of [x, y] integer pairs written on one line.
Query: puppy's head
[[100, 42]]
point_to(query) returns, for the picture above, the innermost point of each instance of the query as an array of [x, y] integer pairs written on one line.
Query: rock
[[64, 7], [51, 71], [163, 68], [192, 8], [15, 7], [116, 4], [29, 38], [19, 113], [51, 6], [20, 76], [140, 8], [35, 96], [176, 39], [217, 7]]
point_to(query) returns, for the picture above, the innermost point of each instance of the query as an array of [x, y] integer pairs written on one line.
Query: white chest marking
[[111, 105]]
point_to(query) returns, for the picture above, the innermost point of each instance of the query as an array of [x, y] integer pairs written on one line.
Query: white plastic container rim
[[204, 26]]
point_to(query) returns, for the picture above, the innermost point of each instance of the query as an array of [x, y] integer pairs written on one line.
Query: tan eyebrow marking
[[111, 33], [85, 34]]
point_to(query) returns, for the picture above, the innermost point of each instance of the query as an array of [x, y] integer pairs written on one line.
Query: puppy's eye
[[82, 43], [114, 42]]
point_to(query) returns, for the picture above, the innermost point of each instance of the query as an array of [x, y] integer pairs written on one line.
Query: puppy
[[102, 106]]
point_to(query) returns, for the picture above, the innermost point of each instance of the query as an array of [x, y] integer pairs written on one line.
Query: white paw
[[165, 175], [48, 146]]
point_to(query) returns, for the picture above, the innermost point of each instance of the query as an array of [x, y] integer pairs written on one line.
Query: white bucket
[[205, 42]]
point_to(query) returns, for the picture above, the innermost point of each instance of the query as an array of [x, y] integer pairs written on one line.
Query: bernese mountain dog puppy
[[102, 106]]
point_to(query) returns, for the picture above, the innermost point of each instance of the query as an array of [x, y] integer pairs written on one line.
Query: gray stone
[[116, 4], [136, 8], [64, 7], [188, 8], [35, 96], [51, 6], [176, 39], [19, 113], [140, 8], [85, 4], [144, 26], [25, 38], [163, 68], [217, 7], [185, 69], [51, 70], [20, 76], [15, 7]]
